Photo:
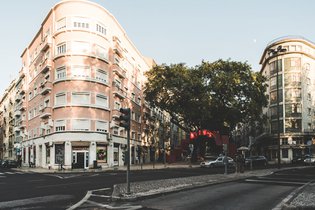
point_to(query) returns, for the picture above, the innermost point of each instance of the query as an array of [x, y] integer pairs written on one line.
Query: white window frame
[[85, 71], [101, 126], [98, 102], [81, 124], [60, 95], [61, 73], [61, 48], [61, 24], [101, 75], [60, 125], [80, 100]]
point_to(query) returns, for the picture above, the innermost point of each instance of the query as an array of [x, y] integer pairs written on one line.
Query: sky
[[171, 31]]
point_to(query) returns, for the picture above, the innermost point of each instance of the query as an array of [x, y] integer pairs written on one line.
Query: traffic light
[[124, 118]]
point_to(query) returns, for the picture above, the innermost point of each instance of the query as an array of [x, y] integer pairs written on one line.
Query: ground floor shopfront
[[78, 150]]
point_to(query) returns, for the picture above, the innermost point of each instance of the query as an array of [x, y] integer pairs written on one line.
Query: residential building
[[7, 150], [295, 68], [77, 72]]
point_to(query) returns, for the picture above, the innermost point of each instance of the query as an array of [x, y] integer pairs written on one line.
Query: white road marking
[[8, 172], [36, 200], [86, 197], [277, 182]]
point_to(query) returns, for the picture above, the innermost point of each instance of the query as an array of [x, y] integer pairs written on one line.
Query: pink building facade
[[77, 72]]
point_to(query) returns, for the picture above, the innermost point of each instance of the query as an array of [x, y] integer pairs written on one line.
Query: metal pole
[[128, 161], [278, 113]]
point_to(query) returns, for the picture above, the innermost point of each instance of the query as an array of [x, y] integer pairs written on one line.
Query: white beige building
[[296, 80], [7, 113], [77, 72]]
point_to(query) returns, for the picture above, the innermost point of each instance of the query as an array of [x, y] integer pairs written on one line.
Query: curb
[[120, 195]]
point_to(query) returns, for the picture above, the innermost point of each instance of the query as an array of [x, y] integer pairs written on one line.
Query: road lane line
[[86, 197], [9, 172], [276, 182]]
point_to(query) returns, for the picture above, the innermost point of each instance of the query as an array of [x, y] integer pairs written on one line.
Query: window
[[101, 126], [81, 125], [101, 29], [101, 75], [60, 125], [101, 100], [101, 52], [117, 105], [61, 24], [61, 73], [79, 22], [61, 48], [81, 71], [60, 99], [80, 47], [80, 98]]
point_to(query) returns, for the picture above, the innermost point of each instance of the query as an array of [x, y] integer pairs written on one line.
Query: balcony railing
[[46, 88], [119, 92], [46, 112], [46, 66]]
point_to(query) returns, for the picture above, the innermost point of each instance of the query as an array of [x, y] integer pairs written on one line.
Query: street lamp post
[[276, 52]]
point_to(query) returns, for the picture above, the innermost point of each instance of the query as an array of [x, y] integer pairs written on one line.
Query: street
[[27, 190], [252, 193], [62, 190]]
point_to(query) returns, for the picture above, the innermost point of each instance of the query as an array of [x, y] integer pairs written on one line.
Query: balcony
[[46, 112], [119, 71], [46, 43], [119, 92], [46, 88], [16, 129], [22, 124], [46, 66], [18, 98], [118, 50], [17, 113], [116, 113], [22, 106]]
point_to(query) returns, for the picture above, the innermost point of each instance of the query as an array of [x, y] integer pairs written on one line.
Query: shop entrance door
[[80, 159]]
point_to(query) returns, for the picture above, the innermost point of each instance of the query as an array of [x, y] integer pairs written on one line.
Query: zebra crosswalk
[[2, 173]]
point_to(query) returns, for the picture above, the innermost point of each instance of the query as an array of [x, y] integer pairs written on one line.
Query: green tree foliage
[[211, 96]]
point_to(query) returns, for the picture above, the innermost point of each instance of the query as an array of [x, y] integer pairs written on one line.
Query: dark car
[[256, 161], [9, 164]]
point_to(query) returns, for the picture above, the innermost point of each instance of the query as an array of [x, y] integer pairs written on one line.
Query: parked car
[[216, 162], [256, 161], [310, 160], [9, 164], [299, 159]]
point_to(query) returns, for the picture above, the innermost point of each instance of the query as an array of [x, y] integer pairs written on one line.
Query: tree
[[212, 96]]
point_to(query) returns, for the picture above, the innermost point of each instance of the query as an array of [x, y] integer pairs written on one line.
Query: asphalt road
[[257, 193], [22, 190]]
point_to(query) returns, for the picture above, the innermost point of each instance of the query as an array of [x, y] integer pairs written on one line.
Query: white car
[[309, 161], [216, 162]]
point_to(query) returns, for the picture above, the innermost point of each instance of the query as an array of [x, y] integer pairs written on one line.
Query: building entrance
[[80, 159]]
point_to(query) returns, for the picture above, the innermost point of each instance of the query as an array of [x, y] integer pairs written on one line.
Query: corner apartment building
[[296, 76], [77, 72]]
